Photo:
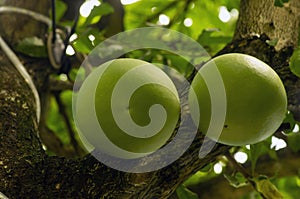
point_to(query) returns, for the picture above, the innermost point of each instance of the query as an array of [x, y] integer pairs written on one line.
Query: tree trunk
[[27, 172], [269, 23]]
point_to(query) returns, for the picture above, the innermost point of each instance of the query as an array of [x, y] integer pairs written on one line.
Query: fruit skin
[[95, 118], [256, 100]]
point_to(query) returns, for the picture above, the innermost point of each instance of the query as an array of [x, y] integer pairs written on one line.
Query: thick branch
[[260, 22], [261, 17]]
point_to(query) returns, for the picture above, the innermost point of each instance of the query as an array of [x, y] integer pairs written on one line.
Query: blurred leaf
[[206, 168], [295, 62], [83, 44], [179, 64], [141, 12], [199, 177], [144, 12], [257, 150], [98, 11], [60, 9], [207, 38], [208, 12], [266, 188], [230, 4], [66, 98], [252, 195], [289, 119], [209, 41], [293, 142], [237, 180], [279, 3], [272, 42], [73, 73], [56, 122], [33, 47], [184, 193], [288, 186]]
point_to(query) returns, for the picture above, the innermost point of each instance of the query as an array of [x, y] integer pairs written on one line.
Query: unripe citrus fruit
[[127, 108], [256, 100]]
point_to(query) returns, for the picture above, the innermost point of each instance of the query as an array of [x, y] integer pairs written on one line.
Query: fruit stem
[[237, 166]]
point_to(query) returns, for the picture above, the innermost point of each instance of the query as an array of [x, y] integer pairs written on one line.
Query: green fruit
[[127, 108], [255, 99]]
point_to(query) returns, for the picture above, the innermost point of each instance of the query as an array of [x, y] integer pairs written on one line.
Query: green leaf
[[290, 120], [179, 64], [206, 37], [101, 10], [272, 42], [141, 12], [199, 177], [32, 46], [295, 62], [184, 193], [280, 3], [66, 98], [206, 168], [212, 39], [61, 8], [288, 186], [257, 150], [56, 123], [237, 180], [266, 188], [83, 44], [293, 142]]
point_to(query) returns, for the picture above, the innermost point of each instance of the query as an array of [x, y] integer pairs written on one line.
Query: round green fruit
[[254, 101], [127, 108]]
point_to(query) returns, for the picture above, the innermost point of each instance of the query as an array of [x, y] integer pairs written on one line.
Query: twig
[[183, 13], [59, 85], [237, 166], [35, 15], [167, 7]]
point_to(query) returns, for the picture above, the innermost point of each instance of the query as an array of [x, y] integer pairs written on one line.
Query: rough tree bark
[[27, 172]]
